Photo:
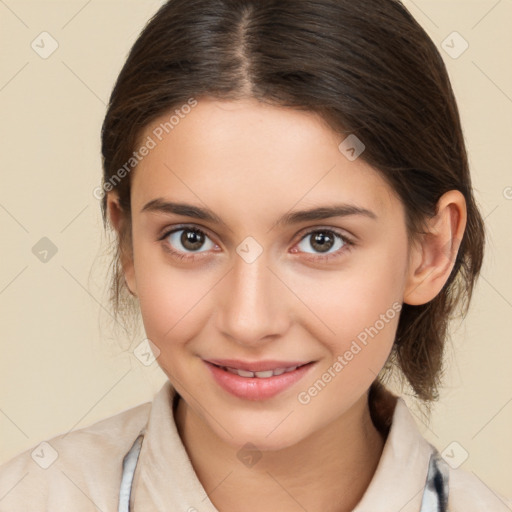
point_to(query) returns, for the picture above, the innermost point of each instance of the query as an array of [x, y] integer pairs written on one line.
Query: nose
[[253, 306]]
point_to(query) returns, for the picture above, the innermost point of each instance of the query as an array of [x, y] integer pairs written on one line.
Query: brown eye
[[323, 244], [322, 241], [192, 240], [189, 240]]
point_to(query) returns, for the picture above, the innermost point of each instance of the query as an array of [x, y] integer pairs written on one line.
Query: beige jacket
[[82, 470]]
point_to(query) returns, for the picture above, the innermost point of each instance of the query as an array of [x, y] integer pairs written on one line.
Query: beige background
[[61, 367]]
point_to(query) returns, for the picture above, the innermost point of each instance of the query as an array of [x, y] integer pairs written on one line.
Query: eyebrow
[[196, 212]]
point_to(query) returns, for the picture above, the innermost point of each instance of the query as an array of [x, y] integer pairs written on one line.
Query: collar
[[165, 479]]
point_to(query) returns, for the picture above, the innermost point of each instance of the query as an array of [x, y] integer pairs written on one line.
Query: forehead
[[247, 155]]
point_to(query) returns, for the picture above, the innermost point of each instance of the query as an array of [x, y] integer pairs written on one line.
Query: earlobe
[[119, 222], [433, 256]]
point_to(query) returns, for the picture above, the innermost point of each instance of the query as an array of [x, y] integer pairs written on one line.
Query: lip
[[254, 388], [256, 366]]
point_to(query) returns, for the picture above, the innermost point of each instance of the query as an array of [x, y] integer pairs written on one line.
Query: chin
[[266, 435]]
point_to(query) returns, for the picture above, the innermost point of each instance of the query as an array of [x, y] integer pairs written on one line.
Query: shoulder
[[81, 466], [406, 459], [468, 493]]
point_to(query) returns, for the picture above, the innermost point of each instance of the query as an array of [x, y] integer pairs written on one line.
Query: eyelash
[[348, 244]]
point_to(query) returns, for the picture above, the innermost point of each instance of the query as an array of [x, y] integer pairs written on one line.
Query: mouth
[[264, 380], [262, 374]]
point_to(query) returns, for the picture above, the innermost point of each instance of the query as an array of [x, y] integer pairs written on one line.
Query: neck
[[328, 471]]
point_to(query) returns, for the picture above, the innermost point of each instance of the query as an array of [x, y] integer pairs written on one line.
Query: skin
[[250, 163]]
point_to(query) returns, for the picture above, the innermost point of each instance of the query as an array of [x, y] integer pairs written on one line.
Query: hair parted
[[366, 67]]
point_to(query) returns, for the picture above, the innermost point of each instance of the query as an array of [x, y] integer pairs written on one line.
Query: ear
[[433, 256], [121, 224]]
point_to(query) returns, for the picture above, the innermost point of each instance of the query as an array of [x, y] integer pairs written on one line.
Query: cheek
[[348, 304], [355, 311], [362, 325], [173, 301]]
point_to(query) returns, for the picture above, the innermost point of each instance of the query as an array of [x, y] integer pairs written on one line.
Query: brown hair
[[367, 67]]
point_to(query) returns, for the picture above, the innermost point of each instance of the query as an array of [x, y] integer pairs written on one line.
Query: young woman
[[290, 189]]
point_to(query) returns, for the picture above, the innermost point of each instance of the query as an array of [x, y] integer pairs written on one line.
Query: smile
[[259, 384], [260, 375]]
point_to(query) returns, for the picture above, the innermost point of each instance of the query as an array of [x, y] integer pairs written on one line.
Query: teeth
[[261, 375], [244, 373]]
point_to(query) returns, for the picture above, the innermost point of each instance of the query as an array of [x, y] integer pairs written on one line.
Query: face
[[240, 275]]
